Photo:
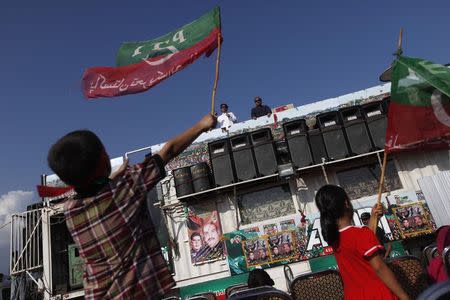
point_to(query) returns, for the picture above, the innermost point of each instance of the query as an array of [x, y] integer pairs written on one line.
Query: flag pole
[[383, 166], [216, 79]]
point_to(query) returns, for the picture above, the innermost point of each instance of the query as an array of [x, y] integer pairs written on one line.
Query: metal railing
[[26, 241]]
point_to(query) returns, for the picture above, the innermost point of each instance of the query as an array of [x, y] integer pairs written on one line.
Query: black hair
[[331, 200], [196, 234], [75, 156], [258, 277]]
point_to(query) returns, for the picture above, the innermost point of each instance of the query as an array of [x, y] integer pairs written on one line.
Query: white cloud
[[10, 203]]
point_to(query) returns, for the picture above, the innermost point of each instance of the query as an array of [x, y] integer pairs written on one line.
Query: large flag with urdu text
[[419, 112], [141, 65]]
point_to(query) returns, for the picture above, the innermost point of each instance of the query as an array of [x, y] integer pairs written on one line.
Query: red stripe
[[50, 191], [139, 77], [415, 127]]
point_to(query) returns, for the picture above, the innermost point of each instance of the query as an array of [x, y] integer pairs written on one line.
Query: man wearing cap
[[227, 118], [380, 233], [260, 110]]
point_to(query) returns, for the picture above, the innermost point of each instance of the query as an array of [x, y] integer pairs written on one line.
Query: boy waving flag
[[142, 65], [419, 112]]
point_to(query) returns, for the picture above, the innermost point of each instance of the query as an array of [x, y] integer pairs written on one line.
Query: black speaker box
[[244, 162], [221, 162], [298, 144], [264, 150], [333, 135], [183, 181], [201, 179], [317, 144], [375, 114], [356, 130]]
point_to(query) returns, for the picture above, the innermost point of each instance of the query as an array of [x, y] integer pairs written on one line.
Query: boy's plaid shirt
[[116, 238]]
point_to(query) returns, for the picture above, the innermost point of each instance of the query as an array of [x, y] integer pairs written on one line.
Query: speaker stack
[[296, 134], [183, 181], [201, 179], [244, 162], [264, 150], [221, 162], [333, 135], [375, 114], [356, 130]]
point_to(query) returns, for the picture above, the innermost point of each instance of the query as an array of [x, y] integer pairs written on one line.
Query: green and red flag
[[142, 65], [419, 112]]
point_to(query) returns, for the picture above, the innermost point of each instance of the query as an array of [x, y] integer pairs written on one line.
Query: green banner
[[323, 263], [217, 286], [173, 42]]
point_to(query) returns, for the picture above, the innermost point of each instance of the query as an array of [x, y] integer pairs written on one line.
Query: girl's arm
[[386, 275]]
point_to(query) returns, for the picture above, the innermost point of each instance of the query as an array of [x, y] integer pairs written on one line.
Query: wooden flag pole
[[383, 166], [216, 79]]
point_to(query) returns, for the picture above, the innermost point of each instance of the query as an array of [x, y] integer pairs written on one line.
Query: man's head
[[196, 241], [365, 217], [258, 101], [262, 253], [79, 158], [406, 223], [286, 248], [211, 234], [223, 107], [418, 220], [251, 255], [275, 250]]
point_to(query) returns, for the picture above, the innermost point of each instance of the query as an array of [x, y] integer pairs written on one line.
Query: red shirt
[[356, 246]]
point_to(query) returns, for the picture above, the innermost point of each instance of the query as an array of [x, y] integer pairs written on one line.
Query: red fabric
[[436, 269], [415, 127], [139, 77], [51, 191], [356, 246]]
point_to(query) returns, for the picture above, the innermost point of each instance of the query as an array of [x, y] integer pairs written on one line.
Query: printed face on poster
[[205, 233], [413, 220]]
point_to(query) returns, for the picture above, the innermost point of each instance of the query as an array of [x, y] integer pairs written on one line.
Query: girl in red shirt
[[357, 250]]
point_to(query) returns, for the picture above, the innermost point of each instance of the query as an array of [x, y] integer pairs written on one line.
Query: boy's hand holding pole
[[179, 143]]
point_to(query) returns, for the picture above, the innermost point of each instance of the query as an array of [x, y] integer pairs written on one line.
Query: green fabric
[[180, 39], [415, 79], [397, 249], [323, 263], [215, 286]]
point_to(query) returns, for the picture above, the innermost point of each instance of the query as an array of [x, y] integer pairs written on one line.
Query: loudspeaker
[[356, 130], [264, 150], [298, 144], [317, 144], [183, 181], [221, 162], [375, 114], [282, 152], [201, 180], [244, 162], [333, 135]]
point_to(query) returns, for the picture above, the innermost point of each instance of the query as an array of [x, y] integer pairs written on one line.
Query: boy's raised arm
[[179, 143]]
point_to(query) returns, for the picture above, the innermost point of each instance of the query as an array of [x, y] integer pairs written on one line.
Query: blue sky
[[284, 51]]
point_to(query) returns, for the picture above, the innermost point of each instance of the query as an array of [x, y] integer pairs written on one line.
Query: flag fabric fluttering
[[419, 111], [142, 65]]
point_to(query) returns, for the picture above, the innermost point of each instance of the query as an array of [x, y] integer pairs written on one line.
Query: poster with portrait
[[287, 225], [205, 231], [256, 251], [270, 229], [413, 220], [282, 246]]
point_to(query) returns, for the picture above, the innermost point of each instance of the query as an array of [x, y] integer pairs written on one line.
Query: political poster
[[205, 232]]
